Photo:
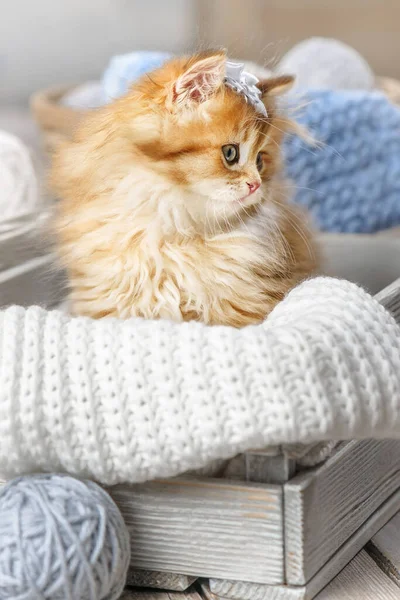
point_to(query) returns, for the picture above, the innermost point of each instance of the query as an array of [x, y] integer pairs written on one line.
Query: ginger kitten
[[172, 205]]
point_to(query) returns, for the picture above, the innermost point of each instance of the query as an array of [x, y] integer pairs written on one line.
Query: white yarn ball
[[327, 63], [19, 188]]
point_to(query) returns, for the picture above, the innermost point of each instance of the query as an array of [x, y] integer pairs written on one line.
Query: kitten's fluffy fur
[[152, 222]]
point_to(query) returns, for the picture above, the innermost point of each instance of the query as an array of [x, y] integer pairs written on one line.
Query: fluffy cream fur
[[152, 220]]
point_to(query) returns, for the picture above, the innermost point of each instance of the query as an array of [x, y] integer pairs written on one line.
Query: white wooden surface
[[362, 579], [240, 590], [252, 591], [157, 579], [352, 546], [135, 594], [390, 298], [385, 548], [326, 506], [205, 527], [33, 282]]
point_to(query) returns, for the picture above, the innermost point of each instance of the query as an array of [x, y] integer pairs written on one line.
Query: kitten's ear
[[276, 86], [201, 79]]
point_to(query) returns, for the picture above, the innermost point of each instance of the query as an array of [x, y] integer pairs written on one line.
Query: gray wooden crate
[[259, 527], [264, 541], [273, 530]]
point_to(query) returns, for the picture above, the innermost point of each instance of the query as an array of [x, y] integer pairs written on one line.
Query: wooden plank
[[132, 594], [239, 590], [390, 299], [139, 594], [213, 469], [205, 528], [276, 464], [269, 469], [353, 545], [310, 455], [324, 507], [362, 579], [34, 282], [261, 467], [191, 594], [156, 579], [385, 549]]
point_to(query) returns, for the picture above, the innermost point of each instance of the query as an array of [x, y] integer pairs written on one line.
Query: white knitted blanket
[[128, 401]]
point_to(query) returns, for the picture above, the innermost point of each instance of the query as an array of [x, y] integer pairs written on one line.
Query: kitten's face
[[221, 155], [182, 130]]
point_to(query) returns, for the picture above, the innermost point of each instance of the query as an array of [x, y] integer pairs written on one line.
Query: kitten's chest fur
[[232, 279]]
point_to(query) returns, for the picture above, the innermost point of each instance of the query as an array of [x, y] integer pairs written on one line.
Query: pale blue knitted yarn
[[60, 539], [124, 69], [352, 182]]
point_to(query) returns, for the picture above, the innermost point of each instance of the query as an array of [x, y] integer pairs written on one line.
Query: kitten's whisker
[[284, 243], [237, 214], [228, 225], [302, 232], [278, 128], [275, 58], [208, 222], [325, 145], [300, 187], [270, 139]]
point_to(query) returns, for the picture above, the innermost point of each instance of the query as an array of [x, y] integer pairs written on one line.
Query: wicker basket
[[57, 122]]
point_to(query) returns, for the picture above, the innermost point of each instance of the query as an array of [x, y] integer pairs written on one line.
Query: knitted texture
[[351, 181], [128, 401], [61, 539]]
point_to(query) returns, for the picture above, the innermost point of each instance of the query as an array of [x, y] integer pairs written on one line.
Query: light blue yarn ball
[[124, 69], [350, 182], [61, 539]]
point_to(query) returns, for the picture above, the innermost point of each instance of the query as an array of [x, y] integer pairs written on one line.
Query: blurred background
[[265, 29], [43, 42]]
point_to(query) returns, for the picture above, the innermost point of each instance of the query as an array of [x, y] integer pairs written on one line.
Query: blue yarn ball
[[124, 69], [61, 539], [350, 183]]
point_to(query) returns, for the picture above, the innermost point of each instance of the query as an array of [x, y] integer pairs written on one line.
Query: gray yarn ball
[[61, 539]]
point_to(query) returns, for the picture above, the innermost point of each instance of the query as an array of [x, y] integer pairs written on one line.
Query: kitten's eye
[[259, 161], [231, 153]]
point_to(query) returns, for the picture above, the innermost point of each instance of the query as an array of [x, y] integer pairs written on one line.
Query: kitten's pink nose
[[253, 186]]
